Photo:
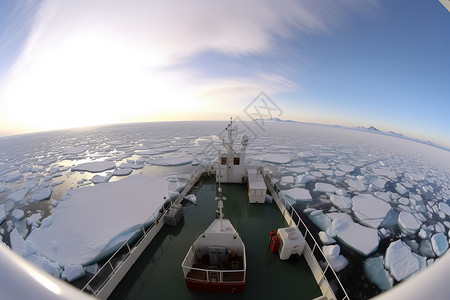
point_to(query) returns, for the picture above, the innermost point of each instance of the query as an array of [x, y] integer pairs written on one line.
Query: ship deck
[[158, 274]]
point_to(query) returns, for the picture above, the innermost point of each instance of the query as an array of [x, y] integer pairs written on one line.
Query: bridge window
[[237, 161], [223, 160]]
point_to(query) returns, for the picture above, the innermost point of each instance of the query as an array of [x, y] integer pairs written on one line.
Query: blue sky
[[353, 63]]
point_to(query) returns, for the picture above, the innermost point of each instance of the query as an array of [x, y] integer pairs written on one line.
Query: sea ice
[[299, 169], [400, 261], [298, 194], [73, 272], [304, 179], [362, 239], [408, 223], [356, 185], [95, 166], [157, 151], [320, 219], [370, 210], [325, 187], [379, 183], [2, 213], [374, 270], [171, 161], [385, 172], [96, 179], [17, 196], [346, 168], [44, 264], [341, 201], [191, 198], [445, 208], [439, 243], [75, 237], [75, 150], [122, 172], [276, 158], [40, 195], [131, 166], [426, 249], [18, 214], [326, 239], [337, 261], [400, 189], [34, 218], [320, 166], [13, 177]]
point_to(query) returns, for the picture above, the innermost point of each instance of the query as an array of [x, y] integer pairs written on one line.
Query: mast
[[220, 199]]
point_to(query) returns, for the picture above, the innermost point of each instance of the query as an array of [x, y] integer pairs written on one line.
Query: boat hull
[[215, 287]]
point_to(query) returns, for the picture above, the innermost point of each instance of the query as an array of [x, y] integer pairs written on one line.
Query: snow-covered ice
[[171, 161], [362, 239], [325, 187], [95, 166], [2, 213], [356, 185], [439, 243], [18, 214], [40, 195], [341, 201], [75, 150], [191, 198], [75, 237], [408, 223], [276, 158], [73, 272], [122, 172], [298, 194], [400, 261], [370, 210], [17, 196], [374, 270], [325, 238], [336, 260]]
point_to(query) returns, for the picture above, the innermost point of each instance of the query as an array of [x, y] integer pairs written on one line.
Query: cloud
[[103, 61]]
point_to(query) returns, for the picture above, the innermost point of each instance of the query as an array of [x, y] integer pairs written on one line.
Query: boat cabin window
[[236, 161], [223, 160]]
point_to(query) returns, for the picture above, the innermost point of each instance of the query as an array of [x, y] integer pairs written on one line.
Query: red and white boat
[[216, 261]]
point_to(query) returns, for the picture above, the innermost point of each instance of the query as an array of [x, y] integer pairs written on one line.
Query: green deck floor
[[157, 274]]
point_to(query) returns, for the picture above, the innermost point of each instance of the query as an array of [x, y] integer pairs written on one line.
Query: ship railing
[[325, 270], [211, 274], [150, 227]]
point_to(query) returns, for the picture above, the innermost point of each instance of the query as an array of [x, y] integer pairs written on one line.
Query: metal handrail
[[156, 217], [287, 206]]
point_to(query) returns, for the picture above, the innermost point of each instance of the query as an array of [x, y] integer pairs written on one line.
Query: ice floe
[[375, 271], [298, 194], [325, 187], [341, 201], [75, 150], [400, 261], [276, 158], [336, 260], [74, 236], [191, 198], [439, 243], [171, 161], [408, 223], [362, 239], [40, 195], [370, 210], [95, 166]]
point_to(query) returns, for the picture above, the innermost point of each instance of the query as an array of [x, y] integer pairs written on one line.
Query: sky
[[66, 64]]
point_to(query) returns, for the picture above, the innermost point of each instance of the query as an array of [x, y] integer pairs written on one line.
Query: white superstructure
[[232, 163]]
